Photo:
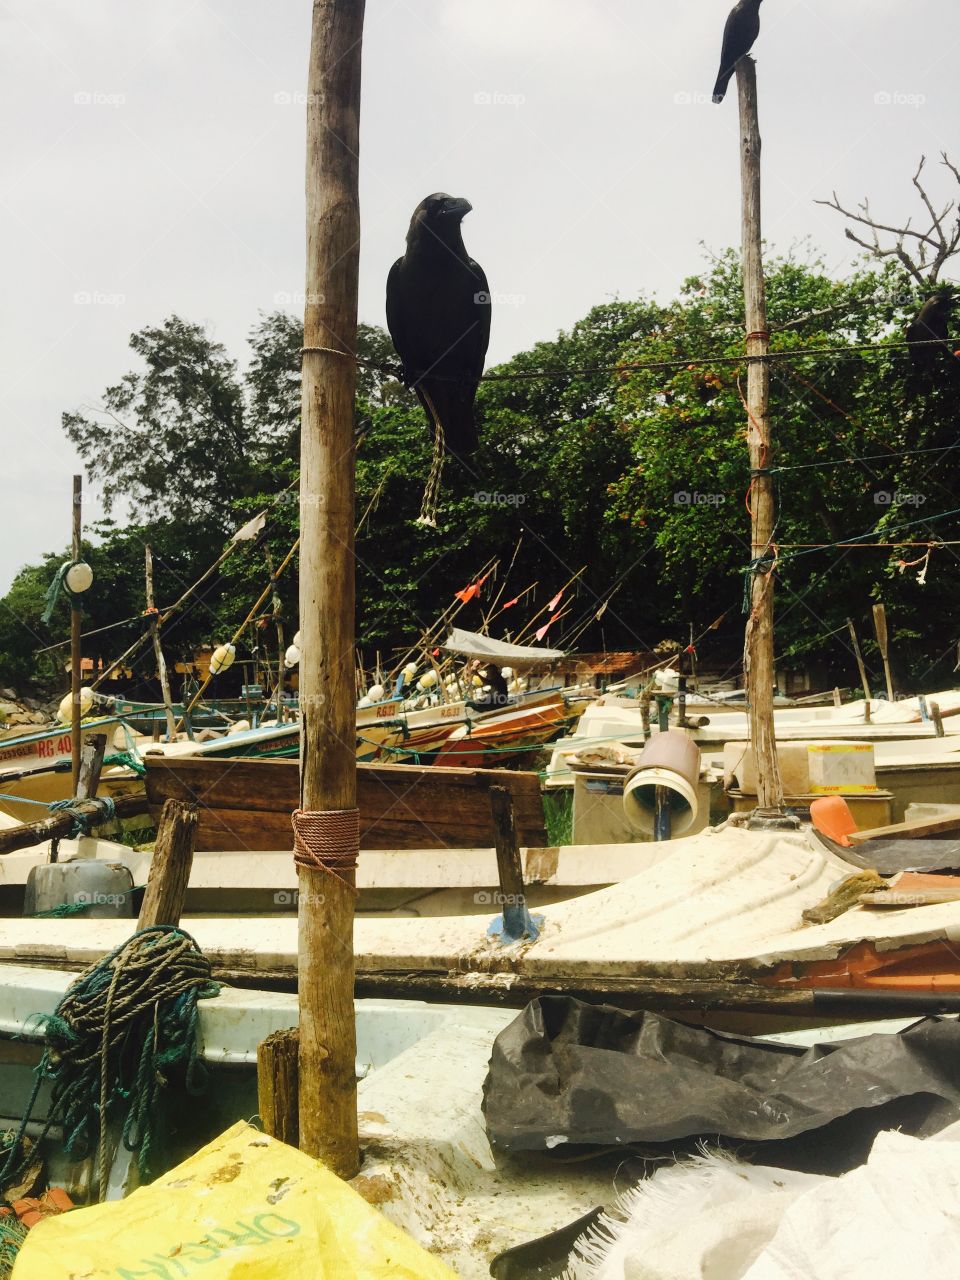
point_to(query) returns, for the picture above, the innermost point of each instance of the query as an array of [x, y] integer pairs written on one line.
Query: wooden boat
[[716, 922], [246, 804], [499, 735], [35, 768]]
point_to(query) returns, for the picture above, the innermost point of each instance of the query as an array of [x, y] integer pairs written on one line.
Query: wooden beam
[[91, 762], [758, 660], [328, 1088], [154, 616], [278, 1085], [58, 825], [883, 644], [170, 865], [76, 647], [854, 640]]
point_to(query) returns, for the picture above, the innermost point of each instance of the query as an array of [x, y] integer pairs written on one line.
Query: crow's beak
[[459, 207]]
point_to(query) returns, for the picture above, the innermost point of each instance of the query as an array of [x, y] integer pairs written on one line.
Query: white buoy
[[507, 672], [79, 577], [292, 657], [375, 693], [222, 658], [65, 709]]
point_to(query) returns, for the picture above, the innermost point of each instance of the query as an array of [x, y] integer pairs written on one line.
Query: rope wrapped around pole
[[328, 841]]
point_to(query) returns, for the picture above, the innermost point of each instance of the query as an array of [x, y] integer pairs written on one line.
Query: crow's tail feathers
[[720, 88], [449, 406]]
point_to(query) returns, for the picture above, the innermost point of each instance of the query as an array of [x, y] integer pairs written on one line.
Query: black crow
[[743, 27], [931, 325], [438, 314]]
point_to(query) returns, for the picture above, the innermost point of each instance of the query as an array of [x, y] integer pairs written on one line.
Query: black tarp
[[565, 1074]]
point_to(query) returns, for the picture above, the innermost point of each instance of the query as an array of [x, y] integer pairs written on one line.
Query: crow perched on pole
[[931, 325], [742, 28], [438, 314]]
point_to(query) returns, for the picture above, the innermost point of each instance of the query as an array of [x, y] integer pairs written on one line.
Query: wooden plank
[[915, 829], [170, 865], [246, 804]]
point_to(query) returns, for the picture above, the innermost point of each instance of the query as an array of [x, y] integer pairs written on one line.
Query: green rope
[[12, 1235], [83, 821], [128, 758], [124, 1031]]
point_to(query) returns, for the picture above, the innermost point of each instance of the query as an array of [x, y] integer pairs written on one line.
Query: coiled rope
[[123, 1032]]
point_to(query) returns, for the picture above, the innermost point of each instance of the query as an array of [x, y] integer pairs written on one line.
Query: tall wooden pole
[[758, 650], [76, 658], [153, 615], [328, 781]]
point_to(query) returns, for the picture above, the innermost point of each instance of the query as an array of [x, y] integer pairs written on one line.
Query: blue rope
[[82, 822]]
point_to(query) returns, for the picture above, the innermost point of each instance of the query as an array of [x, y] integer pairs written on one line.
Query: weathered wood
[[170, 865], [509, 869], [154, 616], [58, 825], [854, 640], [246, 804], [758, 659], [914, 829], [278, 1085], [76, 647], [937, 718], [91, 762], [883, 644], [328, 1088]]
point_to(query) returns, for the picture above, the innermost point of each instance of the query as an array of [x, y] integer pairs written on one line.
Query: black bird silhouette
[[742, 28], [932, 324], [438, 314]]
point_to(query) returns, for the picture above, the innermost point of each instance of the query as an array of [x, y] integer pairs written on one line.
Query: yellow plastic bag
[[246, 1207]]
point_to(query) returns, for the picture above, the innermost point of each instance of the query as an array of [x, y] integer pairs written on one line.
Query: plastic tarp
[[472, 645], [565, 1073], [245, 1207], [894, 1216]]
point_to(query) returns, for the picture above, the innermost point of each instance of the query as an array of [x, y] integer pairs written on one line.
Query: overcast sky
[[153, 162]]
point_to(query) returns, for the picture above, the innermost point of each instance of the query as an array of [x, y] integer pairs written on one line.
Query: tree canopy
[[617, 447]]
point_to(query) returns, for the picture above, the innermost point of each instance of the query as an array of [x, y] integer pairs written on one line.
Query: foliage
[[637, 475]]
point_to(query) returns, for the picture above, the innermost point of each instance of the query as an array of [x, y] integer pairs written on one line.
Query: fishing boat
[[35, 768]]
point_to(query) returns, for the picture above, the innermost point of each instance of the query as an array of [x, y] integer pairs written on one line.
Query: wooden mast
[[76, 649], [152, 616], [328, 1091], [758, 662]]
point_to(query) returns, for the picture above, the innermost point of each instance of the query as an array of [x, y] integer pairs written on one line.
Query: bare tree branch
[[932, 249]]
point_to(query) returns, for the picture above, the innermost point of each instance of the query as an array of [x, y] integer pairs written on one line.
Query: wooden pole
[[859, 657], [937, 718], [758, 661], [278, 1085], [328, 780], [169, 875], [158, 648], [509, 866], [880, 626], [76, 648], [281, 643], [58, 825]]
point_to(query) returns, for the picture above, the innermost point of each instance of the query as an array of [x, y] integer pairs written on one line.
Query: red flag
[[511, 603], [436, 653], [556, 600], [471, 592], [546, 626]]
